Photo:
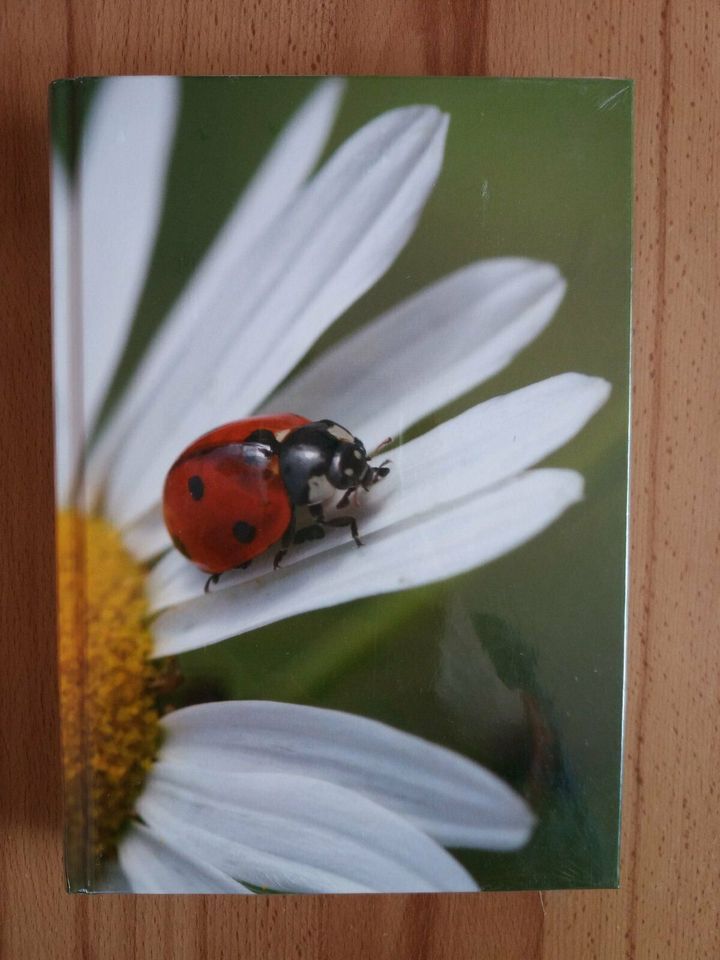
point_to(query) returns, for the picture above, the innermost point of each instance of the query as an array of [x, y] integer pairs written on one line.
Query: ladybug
[[235, 491]]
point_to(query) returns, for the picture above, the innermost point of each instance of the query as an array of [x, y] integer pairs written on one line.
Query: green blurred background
[[518, 664]]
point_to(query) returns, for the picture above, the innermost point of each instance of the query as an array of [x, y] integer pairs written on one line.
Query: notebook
[[341, 401]]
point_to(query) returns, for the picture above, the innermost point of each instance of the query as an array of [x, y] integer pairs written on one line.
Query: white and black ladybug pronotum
[[235, 491]]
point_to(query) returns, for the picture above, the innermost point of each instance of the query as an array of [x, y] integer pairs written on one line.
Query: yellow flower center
[[110, 721]]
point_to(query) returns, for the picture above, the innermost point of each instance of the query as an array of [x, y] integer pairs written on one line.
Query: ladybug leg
[[213, 578], [287, 539], [345, 498], [382, 471], [317, 511], [374, 475], [313, 532], [377, 474], [345, 522]]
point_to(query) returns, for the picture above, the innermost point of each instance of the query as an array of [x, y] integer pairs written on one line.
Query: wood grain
[[668, 906]]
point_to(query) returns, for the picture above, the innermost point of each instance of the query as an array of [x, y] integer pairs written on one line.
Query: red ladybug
[[234, 492]]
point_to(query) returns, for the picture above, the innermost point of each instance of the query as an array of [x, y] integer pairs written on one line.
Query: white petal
[[270, 190], [341, 233], [152, 865], [429, 349], [477, 449], [69, 434], [295, 833], [121, 187], [457, 802], [147, 536], [286, 167], [424, 549]]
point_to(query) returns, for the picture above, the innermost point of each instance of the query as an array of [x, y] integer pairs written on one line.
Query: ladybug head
[[319, 458], [348, 466]]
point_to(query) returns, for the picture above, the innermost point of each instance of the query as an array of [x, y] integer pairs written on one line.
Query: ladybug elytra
[[234, 492]]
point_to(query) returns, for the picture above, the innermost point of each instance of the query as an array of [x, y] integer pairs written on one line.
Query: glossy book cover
[[341, 401]]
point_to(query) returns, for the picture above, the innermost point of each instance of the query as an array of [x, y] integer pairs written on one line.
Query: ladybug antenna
[[381, 446]]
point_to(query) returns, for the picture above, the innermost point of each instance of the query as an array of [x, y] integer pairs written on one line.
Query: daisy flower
[[246, 795]]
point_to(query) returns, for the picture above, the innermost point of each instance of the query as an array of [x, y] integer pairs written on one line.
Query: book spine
[[67, 327]]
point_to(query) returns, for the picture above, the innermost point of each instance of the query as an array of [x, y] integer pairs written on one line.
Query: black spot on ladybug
[[244, 532], [196, 487], [179, 545]]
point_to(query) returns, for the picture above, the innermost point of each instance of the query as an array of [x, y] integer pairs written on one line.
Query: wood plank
[[671, 885]]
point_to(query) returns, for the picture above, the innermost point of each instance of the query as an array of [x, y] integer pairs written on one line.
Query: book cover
[[341, 403]]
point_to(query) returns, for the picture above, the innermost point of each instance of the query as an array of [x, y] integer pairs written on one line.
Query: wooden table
[[668, 905]]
